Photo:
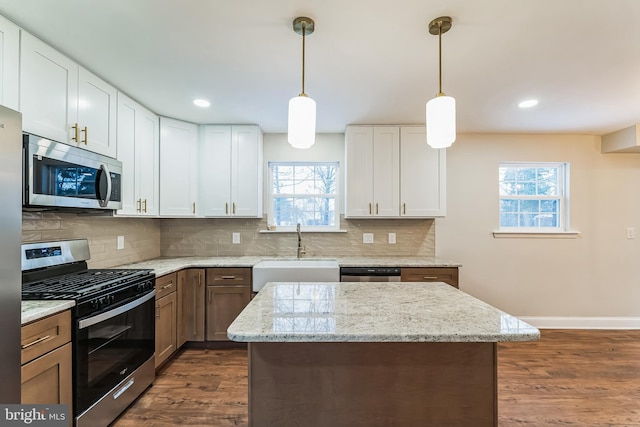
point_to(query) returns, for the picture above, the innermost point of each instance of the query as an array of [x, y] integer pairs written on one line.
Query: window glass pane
[[529, 205], [526, 174], [549, 206], [508, 220], [528, 220], [527, 188], [508, 205], [548, 220]]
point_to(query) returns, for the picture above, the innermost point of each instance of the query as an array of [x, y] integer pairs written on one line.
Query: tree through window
[[304, 193]]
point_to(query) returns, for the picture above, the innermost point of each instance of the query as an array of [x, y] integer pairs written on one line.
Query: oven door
[[111, 345]]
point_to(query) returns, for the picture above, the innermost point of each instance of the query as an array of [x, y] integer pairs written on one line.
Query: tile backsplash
[[141, 235], [147, 238], [213, 237]]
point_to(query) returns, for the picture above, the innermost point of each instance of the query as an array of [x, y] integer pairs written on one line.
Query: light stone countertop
[[373, 312], [35, 310], [163, 266]]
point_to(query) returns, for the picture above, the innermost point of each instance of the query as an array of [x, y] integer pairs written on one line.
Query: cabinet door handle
[[199, 279], [210, 294], [193, 208], [39, 340], [233, 208], [158, 311], [75, 133], [86, 135], [404, 208], [167, 286], [145, 205], [377, 209], [430, 277], [139, 209], [226, 208], [369, 208], [227, 277]]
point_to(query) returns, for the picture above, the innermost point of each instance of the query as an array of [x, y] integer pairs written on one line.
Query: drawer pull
[[227, 277], [167, 286], [430, 277], [39, 340]]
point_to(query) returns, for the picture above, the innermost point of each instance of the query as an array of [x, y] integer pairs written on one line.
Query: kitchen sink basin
[[295, 270]]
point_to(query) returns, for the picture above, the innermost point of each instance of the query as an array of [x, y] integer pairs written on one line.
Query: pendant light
[[441, 110], [302, 109]]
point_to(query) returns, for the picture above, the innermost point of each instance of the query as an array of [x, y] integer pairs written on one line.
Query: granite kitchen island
[[373, 354]]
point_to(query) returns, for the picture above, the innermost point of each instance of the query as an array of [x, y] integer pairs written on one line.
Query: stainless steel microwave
[[58, 175]]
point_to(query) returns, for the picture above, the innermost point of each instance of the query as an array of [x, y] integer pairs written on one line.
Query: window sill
[[303, 231], [535, 234]]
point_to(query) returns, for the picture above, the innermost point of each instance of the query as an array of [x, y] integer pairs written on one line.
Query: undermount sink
[[295, 270]]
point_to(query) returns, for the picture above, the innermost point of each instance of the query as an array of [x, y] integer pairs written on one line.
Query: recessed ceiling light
[[528, 103], [201, 103]]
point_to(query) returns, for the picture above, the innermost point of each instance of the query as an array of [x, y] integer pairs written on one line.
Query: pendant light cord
[[440, 59], [304, 32]]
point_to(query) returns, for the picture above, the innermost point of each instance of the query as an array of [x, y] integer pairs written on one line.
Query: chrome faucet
[[301, 250]]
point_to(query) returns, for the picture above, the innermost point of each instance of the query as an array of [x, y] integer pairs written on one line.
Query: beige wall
[[141, 236], [596, 274]]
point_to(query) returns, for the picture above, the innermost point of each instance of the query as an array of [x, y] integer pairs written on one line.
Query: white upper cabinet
[[178, 168], [391, 172], [139, 152], [230, 171], [9, 64], [422, 175], [62, 101], [372, 171], [97, 105]]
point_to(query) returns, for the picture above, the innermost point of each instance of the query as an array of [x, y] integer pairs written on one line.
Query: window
[[304, 193], [533, 196]]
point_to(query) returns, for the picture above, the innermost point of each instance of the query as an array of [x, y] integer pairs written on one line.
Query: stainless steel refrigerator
[[10, 240]]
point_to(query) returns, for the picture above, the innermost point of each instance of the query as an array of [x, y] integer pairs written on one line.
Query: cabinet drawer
[[448, 275], [228, 276], [47, 380], [166, 284], [44, 335]]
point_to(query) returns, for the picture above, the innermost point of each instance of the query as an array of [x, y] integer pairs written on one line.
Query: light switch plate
[[367, 237], [120, 243], [235, 238], [392, 238], [631, 233]]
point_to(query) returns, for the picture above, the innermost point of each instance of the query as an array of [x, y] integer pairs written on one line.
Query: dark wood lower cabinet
[[224, 304], [191, 305], [447, 275]]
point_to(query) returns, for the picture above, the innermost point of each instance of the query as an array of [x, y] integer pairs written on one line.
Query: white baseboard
[[582, 322]]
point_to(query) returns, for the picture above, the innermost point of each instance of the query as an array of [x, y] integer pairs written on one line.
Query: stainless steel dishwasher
[[370, 274]]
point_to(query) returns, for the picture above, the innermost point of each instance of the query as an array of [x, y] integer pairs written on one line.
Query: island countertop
[[373, 312]]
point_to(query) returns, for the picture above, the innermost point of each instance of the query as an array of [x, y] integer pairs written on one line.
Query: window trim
[[272, 228], [563, 230]]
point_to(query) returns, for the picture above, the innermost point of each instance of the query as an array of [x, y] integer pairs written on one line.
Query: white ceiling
[[368, 61]]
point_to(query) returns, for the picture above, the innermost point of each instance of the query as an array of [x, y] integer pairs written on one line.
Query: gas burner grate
[[75, 285]]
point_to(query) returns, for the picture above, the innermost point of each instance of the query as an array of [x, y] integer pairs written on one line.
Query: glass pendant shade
[[302, 122], [441, 121]]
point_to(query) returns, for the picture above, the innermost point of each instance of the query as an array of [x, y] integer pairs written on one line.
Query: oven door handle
[[90, 321]]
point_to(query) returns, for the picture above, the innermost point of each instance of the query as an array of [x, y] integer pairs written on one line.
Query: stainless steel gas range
[[113, 325]]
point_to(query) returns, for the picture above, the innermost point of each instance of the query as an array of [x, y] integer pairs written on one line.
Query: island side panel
[[372, 384]]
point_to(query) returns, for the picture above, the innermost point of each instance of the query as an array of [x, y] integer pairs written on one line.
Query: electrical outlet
[[235, 238], [120, 244], [631, 233], [392, 238], [367, 237]]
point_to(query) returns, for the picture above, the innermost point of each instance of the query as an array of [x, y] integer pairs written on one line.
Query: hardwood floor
[[568, 378]]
